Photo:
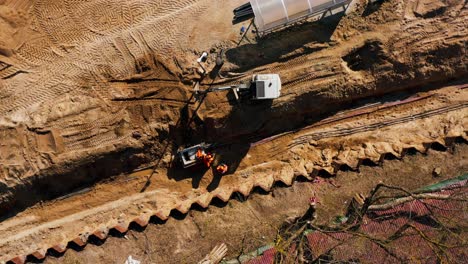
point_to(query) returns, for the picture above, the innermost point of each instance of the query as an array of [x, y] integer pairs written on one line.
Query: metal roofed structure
[[271, 14]]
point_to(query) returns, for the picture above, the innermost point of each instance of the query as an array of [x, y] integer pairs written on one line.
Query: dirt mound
[[365, 57], [431, 8]]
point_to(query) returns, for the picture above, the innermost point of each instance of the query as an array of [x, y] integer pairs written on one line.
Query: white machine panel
[[268, 86]]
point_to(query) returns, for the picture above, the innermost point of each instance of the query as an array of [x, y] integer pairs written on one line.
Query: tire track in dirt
[[366, 128], [58, 38], [19, 4], [32, 55]]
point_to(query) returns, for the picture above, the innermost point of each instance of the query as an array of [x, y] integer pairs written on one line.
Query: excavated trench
[[59, 182], [63, 180], [139, 224], [262, 176], [316, 86]]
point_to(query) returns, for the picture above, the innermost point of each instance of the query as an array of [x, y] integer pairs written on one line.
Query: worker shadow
[[186, 132], [305, 38], [195, 173], [230, 154]]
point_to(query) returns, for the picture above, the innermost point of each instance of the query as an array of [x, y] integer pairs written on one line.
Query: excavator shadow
[[179, 134], [243, 126], [226, 149], [190, 130]]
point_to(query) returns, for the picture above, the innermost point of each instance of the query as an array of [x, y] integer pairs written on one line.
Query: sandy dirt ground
[[96, 97]]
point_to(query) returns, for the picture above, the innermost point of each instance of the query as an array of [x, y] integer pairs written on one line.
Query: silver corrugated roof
[[272, 13]]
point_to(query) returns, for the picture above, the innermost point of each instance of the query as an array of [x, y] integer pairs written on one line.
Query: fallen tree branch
[[392, 204]]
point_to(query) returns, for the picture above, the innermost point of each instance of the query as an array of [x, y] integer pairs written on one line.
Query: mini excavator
[[261, 87]]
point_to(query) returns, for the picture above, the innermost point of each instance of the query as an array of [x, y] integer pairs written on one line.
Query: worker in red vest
[[222, 168], [200, 154], [208, 160]]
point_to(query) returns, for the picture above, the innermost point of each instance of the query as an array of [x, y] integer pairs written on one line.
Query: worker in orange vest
[[208, 160], [222, 168], [200, 154]]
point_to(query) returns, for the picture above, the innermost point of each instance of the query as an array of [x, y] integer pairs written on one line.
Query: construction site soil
[[245, 225], [96, 98]]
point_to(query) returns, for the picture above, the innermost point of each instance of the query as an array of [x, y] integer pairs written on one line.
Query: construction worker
[[200, 154], [222, 168], [242, 30], [208, 160]]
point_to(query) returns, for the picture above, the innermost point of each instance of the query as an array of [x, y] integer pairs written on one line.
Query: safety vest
[[222, 168], [208, 159]]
